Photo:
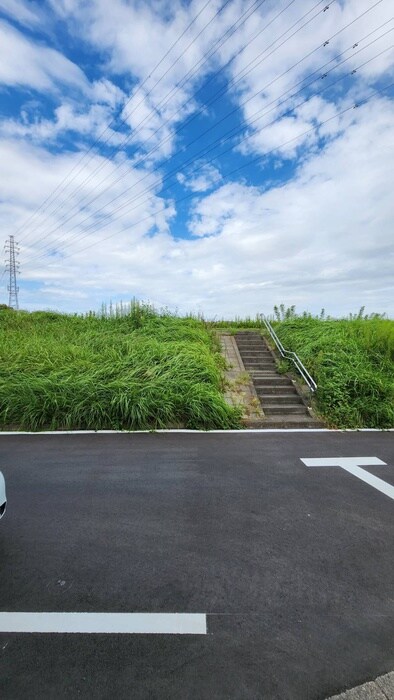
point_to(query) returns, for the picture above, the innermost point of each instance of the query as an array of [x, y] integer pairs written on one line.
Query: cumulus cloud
[[24, 13], [270, 80], [25, 63], [92, 122], [208, 176], [317, 240], [88, 108], [160, 98], [70, 217], [321, 236]]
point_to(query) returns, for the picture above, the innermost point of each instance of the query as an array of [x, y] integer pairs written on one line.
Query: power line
[[259, 158], [223, 138], [248, 163], [230, 135], [113, 121], [265, 111], [77, 207], [255, 5]]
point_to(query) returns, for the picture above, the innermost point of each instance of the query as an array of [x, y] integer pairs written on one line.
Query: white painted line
[[178, 430], [197, 432], [244, 431], [104, 623], [343, 461], [353, 466]]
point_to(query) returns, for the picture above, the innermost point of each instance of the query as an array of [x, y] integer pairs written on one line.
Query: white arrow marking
[[104, 623], [353, 466]]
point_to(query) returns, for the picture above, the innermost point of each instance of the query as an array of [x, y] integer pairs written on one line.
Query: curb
[[241, 431]]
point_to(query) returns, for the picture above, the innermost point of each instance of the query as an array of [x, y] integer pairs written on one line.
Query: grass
[[352, 362], [237, 323], [134, 370]]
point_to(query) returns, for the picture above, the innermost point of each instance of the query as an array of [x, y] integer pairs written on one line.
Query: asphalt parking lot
[[253, 574]]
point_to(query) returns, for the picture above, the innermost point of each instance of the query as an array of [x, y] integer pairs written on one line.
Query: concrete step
[[271, 389], [262, 379], [251, 344], [270, 379], [282, 406], [252, 354], [282, 409], [258, 347], [283, 399], [255, 345], [258, 360], [257, 355], [270, 364], [260, 367], [248, 334], [285, 422]]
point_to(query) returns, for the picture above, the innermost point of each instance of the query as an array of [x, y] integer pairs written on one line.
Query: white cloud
[[160, 99], [21, 164], [322, 239], [290, 54], [106, 92], [207, 177], [55, 292], [24, 63], [91, 123], [24, 13]]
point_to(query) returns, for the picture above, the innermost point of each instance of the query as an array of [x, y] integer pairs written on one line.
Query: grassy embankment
[[142, 370], [352, 362]]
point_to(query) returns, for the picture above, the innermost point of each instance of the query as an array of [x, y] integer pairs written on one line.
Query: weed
[[137, 369], [352, 361]]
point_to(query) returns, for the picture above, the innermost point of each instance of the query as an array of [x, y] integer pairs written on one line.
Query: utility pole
[[12, 266]]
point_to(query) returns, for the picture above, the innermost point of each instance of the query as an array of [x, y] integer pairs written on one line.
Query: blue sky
[[204, 156]]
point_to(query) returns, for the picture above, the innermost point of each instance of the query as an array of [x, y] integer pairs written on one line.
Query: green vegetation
[[238, 323], [129, 369], [132, 368], [352, 362]]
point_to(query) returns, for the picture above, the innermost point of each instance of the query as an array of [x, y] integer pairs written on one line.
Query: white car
[[3, 497]]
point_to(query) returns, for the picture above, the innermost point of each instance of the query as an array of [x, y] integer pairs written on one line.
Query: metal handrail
[[289, 355]]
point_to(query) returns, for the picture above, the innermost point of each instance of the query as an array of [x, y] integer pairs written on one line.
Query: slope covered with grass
[[352, 362], [140, 370]]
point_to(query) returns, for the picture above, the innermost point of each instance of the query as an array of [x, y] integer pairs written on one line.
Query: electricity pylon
[[12, 266]]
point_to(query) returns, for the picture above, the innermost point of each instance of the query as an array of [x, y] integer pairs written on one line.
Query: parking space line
[[104, 623], [353, 466]]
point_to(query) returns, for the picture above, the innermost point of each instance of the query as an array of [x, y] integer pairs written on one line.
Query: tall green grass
[[352, 362], [237, 323], [133, 370]]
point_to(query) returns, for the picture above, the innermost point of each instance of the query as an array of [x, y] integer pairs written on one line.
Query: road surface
[[278, 577]]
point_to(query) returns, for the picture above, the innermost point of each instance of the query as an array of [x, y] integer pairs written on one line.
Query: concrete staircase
[[281, 403]]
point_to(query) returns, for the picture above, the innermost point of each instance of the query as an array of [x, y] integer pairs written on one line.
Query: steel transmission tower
[[12, 267]]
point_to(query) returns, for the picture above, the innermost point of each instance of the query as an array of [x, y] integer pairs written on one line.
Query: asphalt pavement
[[289, 568]]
